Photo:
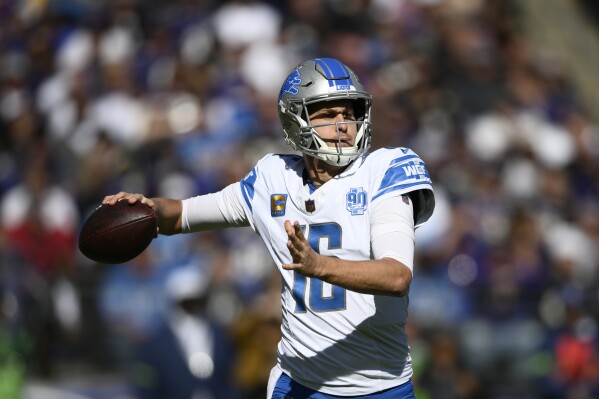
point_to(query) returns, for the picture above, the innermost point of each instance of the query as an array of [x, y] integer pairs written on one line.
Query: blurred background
[[178, 98]]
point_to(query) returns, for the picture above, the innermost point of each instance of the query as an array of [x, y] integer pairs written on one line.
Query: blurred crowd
[[178, 98]]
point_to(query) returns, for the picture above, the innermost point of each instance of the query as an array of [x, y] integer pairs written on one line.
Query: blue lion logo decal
[[289, 86]]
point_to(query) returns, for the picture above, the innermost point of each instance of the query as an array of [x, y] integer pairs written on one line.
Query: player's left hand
[[305, 260]]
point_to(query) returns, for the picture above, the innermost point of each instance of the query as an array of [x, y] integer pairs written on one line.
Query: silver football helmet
[[323, 79]]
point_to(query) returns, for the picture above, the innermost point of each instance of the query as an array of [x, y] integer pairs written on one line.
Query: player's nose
[[341, 122]]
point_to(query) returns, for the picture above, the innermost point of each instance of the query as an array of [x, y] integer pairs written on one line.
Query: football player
[[339, 223]]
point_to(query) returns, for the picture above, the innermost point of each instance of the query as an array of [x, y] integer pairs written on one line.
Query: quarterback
[[339, 223]]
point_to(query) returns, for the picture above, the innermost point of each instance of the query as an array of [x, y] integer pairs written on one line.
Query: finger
[[136, 197], [297, 241], [112, 199], [290, 266], [148, 202], [132, 198], [298, 230], [288, 229], [107, 199], [293, 250]]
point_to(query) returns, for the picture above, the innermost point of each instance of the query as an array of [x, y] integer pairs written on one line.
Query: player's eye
[[349, 116], [327, 115]]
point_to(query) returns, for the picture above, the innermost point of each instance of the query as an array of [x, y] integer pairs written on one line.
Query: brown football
[[117, 233]]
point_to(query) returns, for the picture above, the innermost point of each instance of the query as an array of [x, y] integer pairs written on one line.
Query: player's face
[[333, 121]]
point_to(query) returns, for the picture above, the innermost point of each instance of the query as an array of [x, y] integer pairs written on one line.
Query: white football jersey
[[335, 340]]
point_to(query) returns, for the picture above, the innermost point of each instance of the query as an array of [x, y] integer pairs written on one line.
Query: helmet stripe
[[325, 67], [335, 72], [327, 71]]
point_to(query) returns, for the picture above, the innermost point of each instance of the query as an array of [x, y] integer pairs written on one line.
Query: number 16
[[317, 301]]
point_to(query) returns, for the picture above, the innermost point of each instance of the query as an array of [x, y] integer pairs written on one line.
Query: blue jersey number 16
[[316, 299]]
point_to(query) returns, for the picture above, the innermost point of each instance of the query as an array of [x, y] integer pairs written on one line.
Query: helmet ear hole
[[360, 109]]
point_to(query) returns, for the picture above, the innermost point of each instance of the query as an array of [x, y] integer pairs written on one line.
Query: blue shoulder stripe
[[403, 173], [247, 187], [403, 187]]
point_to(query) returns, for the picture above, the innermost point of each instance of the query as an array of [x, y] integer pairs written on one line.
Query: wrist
[[321, 265]]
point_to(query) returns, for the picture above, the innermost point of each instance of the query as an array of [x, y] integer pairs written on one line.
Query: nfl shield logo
[[310, 206]]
